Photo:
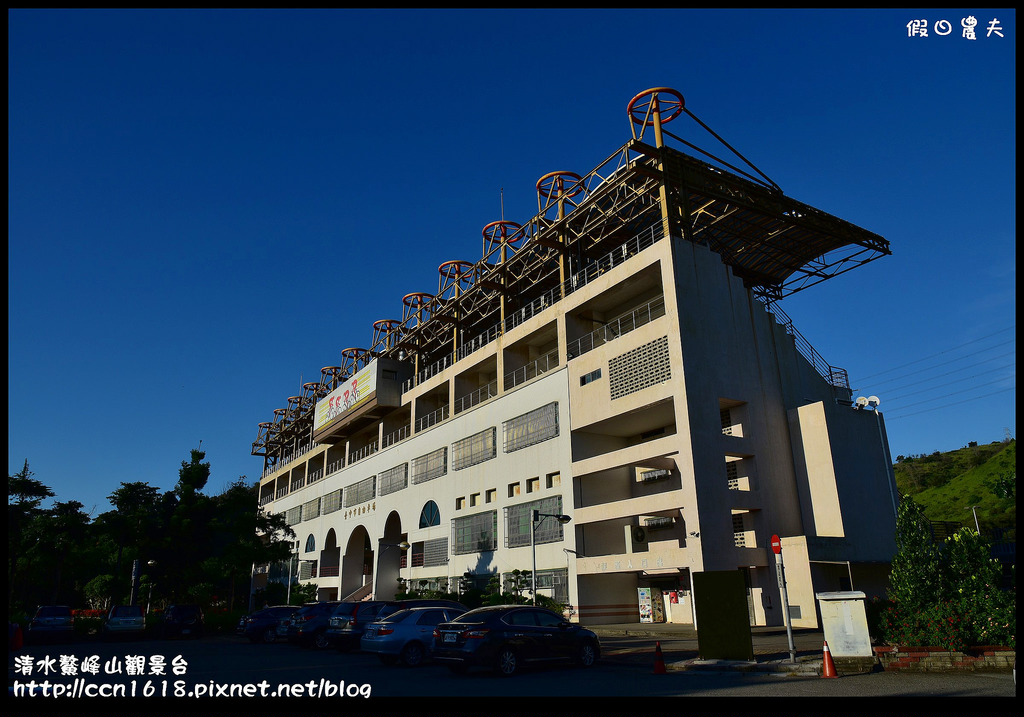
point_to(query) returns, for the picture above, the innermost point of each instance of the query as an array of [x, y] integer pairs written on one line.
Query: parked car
[[51, 622], [351, 618], [406, 635], [261, 626], [124, 620], [308, 626], [182, 621], [508, 637]]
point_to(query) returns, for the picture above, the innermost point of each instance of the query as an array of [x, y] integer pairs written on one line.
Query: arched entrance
[[330, 567], [357, 566], [389, 559]]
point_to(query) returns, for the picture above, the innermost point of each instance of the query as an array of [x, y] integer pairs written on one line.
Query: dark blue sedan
[[261, 626], [506, 638]]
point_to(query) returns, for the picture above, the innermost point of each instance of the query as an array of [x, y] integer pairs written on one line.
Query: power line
[[954, 393], [946, 363], [954, 348], [941, 385], [950, 407]]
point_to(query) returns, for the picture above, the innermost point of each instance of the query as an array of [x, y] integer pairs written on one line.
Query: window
[[491, 495], [533, 485], [517, 522], [310, 544], [514, 489], [430, 515], [474, 499], [530, 428], [393, 479], [430, 466], [460, 503], [477, 448], [554, 480], [332, 502], [475, 533], [590, 377], [311, 509], [361, 492]]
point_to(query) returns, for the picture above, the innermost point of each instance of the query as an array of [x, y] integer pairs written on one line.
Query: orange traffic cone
[[659, 661], [828, 668]]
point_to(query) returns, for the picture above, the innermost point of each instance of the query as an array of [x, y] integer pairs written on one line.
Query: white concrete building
[[620, 359]]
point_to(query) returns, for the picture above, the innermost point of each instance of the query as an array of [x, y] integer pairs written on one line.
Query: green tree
[[24, 496], [915, 579], [241, 537], [64, 528]]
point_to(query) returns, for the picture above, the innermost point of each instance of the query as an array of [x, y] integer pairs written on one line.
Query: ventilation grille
[[641, 368], [732, 475]]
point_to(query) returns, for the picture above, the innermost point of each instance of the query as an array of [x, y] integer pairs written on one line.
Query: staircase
[[361, 594]]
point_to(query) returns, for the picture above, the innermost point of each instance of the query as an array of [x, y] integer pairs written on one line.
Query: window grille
[[641, 368], [726, 416], [393, 479], [517, 522], [430, 466], [360, 492], [435, 552], [331, 502], [475, 533], [293, 516], [475, 449], [531, 428], [311, 509]]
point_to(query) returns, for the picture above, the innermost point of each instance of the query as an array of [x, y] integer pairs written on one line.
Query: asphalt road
[[215, 667]]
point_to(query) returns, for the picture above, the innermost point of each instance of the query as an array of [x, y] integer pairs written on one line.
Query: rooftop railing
[[533, 369], [479, 396], [578, 280], [835, 376], [619, 327], [396, 436], [367, 450], [432, 419]]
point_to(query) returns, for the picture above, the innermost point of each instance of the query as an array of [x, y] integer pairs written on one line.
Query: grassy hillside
[[947, 484]]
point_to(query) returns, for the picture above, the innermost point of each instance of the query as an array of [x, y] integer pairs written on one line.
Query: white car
[[124, 620]]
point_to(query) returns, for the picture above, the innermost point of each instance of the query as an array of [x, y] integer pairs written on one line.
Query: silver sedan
[[406, 635]]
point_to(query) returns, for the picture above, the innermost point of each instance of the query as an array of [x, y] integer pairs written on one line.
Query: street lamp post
[[136, 577], [535, 518], [977, 527]]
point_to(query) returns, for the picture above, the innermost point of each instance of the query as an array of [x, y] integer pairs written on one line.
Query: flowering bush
[[949, 598], [937, 625]]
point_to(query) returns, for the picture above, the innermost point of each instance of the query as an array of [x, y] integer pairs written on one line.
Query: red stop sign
[[776, 545]]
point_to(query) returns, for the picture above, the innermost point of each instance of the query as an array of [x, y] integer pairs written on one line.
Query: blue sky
[[205, 207]]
